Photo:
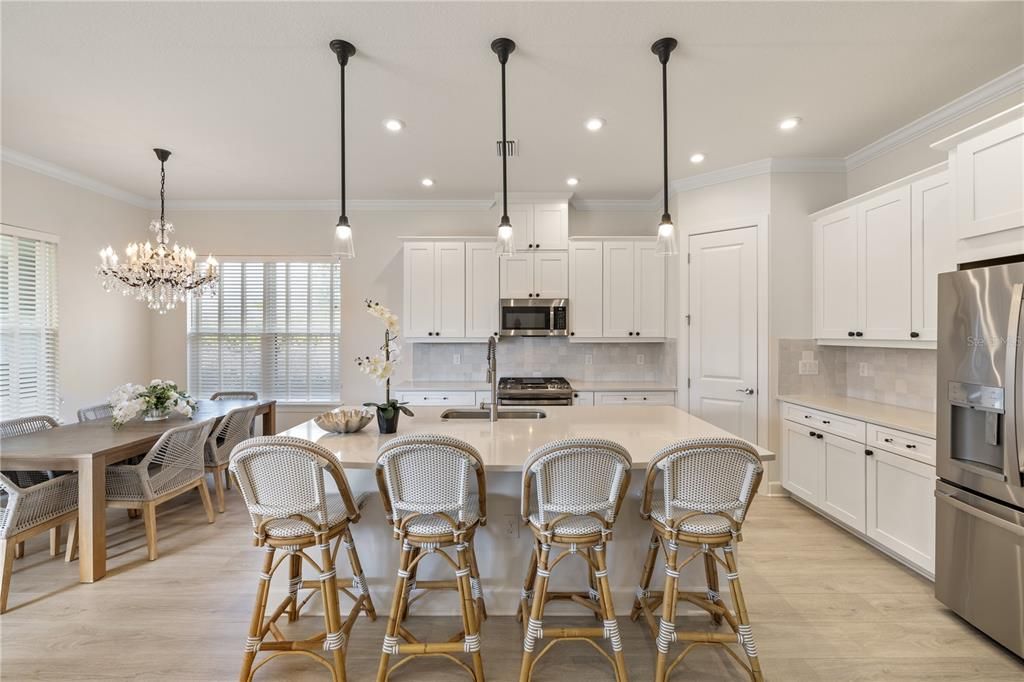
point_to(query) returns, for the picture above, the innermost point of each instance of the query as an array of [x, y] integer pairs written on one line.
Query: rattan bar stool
[[579, 485], [709, 484], [282, 481], [424, 480], [235, 427]]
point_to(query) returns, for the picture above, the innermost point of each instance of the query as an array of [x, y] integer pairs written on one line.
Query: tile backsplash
[[896, 376], [540, 357]]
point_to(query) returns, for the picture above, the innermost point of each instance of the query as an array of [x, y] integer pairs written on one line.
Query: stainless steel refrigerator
[[979, 497]]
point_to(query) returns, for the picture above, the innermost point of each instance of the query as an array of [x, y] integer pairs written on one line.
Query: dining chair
[[95, 412], [234, 395], [284, 484], [708, 485], [25, 479], [572, 492], [235, 427], [425, 483], [172, 467]]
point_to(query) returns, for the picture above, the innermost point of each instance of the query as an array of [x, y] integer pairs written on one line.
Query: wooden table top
[[63, 445]]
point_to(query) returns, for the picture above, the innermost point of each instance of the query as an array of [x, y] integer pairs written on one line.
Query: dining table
[[88, 447]]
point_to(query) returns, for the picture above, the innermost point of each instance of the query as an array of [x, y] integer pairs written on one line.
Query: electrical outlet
[[588, 359], [865, 370], [808, 367], [510, 524], [639, 358], [457, 359]]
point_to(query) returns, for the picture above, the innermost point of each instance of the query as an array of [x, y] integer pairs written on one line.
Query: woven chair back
[[22, 426], [234, 395], [576, 476], [235, 427]]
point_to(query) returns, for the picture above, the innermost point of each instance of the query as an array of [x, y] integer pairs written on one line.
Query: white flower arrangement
[[382, 365], [161, 396]]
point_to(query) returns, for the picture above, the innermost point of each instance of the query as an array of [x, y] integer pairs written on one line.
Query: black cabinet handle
[[914, 335], [572, 333], [529, 295], [430, 333], [437, 333], [638, 333], [536, 246], [887, 440], [825, 421], [529, 246], [869, 452], [537, 295], [625, 398], [860, 333], [820, 436], [813, 434], [631, 333], [911, 446], [575, 395], [444, 398], [495, 333], [807, 416], [849, 333]]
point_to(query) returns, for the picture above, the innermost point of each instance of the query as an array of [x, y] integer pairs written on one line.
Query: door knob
[[747, 391]]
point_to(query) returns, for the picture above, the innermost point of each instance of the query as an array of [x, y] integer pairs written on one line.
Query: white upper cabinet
[[418, 300], [649, 290], [884, 239], [540, 227], [618, 289], [586, 295], [535, 275], [521, 216], [837, 275], [434, 290], [633, 289], [450, 289], [516, 275], [933, 250], [481, 289]]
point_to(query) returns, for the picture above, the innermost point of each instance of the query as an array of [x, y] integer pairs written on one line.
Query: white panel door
[[619, 298], [990, 182], [521, 216], [801, 461], [418, 299], [516, 274], [836, 276], [723, 330], [450, 289], [585, 289], [481, 289], [842, 486], [650, 291], [884, 235], [551, 227], [551, 274], [932, 248], [901, 506]]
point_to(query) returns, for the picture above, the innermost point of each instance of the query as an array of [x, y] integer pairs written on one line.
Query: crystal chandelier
[[160, 275]]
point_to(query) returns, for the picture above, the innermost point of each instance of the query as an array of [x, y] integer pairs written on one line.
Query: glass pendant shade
[[343, 244], [506, 238], [666, 245]]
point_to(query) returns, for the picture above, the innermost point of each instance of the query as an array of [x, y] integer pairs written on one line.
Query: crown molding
[[622, 205], [71, 177], [1010, 82]]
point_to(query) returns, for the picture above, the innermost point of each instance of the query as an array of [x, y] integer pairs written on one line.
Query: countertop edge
[[824, 404]]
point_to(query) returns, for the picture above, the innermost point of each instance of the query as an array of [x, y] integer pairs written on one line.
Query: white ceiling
[[246, 94]]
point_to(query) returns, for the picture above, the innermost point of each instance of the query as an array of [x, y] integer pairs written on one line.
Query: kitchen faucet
[[492, 376]]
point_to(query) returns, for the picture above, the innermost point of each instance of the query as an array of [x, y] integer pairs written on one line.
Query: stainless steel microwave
[[534, 317]]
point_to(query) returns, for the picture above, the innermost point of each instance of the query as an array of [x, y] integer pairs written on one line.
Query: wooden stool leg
[[535, 625], [132, 513], [204, 494], [259, 609], [711, 571], [294, 582], [72, 550], [7, 549], [611, 623], [334, 640], [524, 599], [410, 583], [745, 631], [55, 540], [358, 579], [470, 625], [149, 518], [474, 582], [667, 628], [19, 550], [593, 592], [227, 479], [218, 489], [394, 616], [645, 576]]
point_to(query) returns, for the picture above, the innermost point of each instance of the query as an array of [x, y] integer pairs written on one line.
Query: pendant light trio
[[503, 47]]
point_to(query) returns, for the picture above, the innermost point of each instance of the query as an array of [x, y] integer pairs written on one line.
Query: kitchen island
[[503, 545]]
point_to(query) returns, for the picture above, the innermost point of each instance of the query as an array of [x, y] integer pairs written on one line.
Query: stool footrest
[[575, 633], [431, 648]]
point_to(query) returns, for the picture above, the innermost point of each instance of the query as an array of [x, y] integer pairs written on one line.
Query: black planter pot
[[388, 424]]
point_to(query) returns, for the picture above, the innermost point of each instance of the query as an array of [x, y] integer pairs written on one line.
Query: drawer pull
[[911, 446], [821, 436], [869, 452], [887, 440], [825, 421], [813, 434]]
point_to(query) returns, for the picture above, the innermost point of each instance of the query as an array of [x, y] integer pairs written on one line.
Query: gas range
[[534, 391]]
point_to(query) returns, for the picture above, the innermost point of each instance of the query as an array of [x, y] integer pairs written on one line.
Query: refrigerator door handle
[[1008, 526], [1012, 384]]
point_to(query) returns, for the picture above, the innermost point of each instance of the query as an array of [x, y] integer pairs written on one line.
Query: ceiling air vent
[[511, 147]]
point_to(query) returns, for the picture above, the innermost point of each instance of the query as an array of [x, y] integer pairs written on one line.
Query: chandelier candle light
[[160, 275]]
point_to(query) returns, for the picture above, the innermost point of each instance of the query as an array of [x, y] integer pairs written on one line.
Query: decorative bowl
[[344, 419]]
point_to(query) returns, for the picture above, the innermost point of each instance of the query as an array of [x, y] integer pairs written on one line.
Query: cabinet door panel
[[551, 227], [418, 300], [901, 507], [551, 274], [516, 274], [650, 291], [990, 182], [450, 290], [933, 249], [585, 289], [521, 216], [884, 231], [619, 281], [836, 275], [481, 289], [801, 462], [842, 481]]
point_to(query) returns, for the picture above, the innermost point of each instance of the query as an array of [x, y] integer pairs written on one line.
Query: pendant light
[[343, 246], [503, 47], [666, 245]]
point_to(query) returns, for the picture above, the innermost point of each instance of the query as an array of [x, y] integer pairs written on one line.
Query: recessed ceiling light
[[572, 182], [789, 123], [594, 124], [696, 158], [427, 182], [393, 124]]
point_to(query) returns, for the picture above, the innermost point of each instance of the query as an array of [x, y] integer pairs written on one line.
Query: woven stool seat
[[571, 526], [700, 524]]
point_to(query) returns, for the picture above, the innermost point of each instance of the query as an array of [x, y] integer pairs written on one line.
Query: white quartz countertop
[[914, 421], [581, 385], [504, 445]]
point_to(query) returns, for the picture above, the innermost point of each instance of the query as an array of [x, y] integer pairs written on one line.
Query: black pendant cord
[[504, 150], [163, 180], [341, 120], [664, 129]]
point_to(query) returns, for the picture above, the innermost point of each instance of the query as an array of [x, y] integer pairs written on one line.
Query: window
[[273, 326], [28, 324]]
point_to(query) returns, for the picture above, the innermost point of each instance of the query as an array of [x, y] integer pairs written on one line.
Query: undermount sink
[[485, 414]]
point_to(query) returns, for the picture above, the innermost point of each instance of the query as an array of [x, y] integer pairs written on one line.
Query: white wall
[[104, 338]]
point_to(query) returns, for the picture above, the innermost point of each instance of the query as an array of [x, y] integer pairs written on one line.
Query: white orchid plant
[[381, 365], [131, 400]]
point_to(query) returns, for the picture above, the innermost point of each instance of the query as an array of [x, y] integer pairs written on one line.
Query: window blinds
[[273, 327], [28, 325]]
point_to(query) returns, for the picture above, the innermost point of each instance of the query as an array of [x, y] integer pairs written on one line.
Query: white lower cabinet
[[453, 398], [635, 398], [881, 486], [583, 398]]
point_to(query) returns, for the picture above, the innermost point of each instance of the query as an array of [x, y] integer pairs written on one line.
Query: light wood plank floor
[[824, 607]]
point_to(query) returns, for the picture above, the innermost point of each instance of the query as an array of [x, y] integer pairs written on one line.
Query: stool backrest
[[177, 458], [235, 427], [576, 476], [234, 395], [280, 477], [95, 412], [426, 473], [710, 475]]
